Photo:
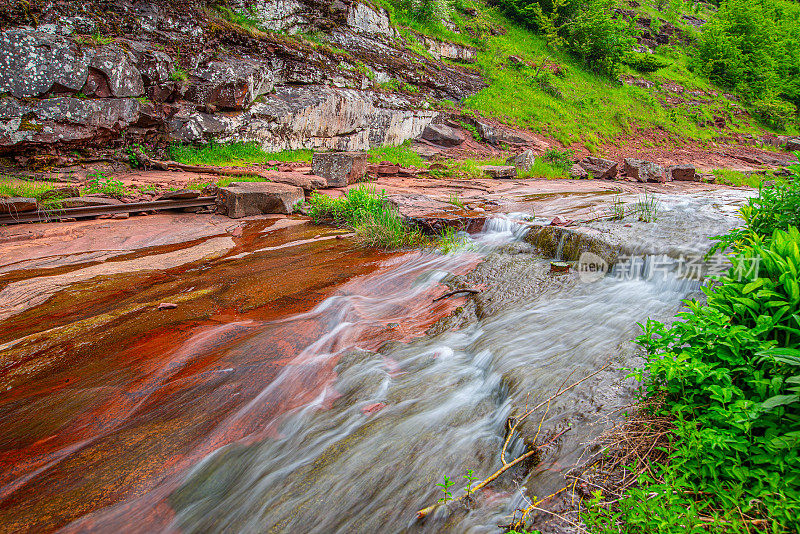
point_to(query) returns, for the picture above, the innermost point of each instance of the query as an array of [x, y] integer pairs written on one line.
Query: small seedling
[[470, 478], [445, 489]]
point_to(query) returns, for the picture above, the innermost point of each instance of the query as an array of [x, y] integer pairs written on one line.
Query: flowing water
[[340, 418]]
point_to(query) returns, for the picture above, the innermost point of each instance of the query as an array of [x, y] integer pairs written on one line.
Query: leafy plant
[[646, 207], [559, 159], [98, 182], [445, 489], [455, 201], [470, 478], [178, 74], [473, 130]]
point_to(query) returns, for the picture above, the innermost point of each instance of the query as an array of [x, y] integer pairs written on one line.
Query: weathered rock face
[[793, 144], [442, 135], [600, 168], [283, 93], [340, 168], [243, 199], [523, 161], [682, 173], [643, 171]]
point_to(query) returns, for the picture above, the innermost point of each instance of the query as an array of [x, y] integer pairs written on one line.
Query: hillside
[[82, 79]]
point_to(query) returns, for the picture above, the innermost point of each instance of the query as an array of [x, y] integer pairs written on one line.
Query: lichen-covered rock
[[33, 63], [64, 120], [117, 64], [603, 169], [231, 83], [290, 16], [369, 19], [340, 168], [643, 171], [447, 50], [243, 199]]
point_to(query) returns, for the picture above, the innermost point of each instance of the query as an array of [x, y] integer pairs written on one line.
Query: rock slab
[[578, 172], [243, 199], [643, 171], [442, 135], [793, 144], [603, 169], [339, 168], [15, 205], [682, 173], [500, 171]]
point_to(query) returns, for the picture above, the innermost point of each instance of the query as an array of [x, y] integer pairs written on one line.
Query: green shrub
[[559, 159], [375, 222], [774, 112], [644, 62], [586, 28]]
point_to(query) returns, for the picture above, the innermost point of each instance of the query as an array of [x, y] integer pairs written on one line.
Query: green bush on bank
[[730, 372]]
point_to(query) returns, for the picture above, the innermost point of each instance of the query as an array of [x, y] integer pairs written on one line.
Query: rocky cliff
[[285, 73]]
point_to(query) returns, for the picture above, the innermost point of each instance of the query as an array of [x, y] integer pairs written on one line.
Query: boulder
[[242, 199], [643, 171], [180, 194], [500, 171], [603, 169], [578, 172], [682, 173], [523, 161], [339, 168], [442, 135], [34, 62], [117, 64], [495, 135], [13, 205], [793, 144]]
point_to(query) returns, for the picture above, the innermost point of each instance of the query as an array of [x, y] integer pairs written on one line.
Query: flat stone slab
[[14, 205], [500, 171], [339, 168], [243, 199], [87, 202], [432, 216], [180, 194]]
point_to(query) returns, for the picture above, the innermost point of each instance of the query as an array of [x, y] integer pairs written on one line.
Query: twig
[[456, 292]]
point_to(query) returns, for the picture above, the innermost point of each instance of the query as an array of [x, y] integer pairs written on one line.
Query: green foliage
[[10, 187], [586, 28], [774, 112], [399, 155], [617, 210], [730, 381], [473, 130], [455, 201], [98, 182], [753, 46], [375, 222], [233, 154], [452, 241], [559, 159], [470, 478], [731, 177], [178, 74]]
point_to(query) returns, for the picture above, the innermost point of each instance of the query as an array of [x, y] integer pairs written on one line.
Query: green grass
[[542, 169], [400, 155], [731, 177], [12, 187], [375, 222], [233, 154]]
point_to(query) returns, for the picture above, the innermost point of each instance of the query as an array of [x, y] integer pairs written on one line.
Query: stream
[[342, 417]]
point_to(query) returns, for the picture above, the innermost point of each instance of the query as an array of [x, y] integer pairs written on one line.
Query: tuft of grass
[[646, 207], [12, 187], [178, 75], [98, 182], [455, 201], [238, 154], [399, 155], [375, 222]]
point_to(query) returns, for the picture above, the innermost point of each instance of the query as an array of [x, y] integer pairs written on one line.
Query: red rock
[[373, 408]]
